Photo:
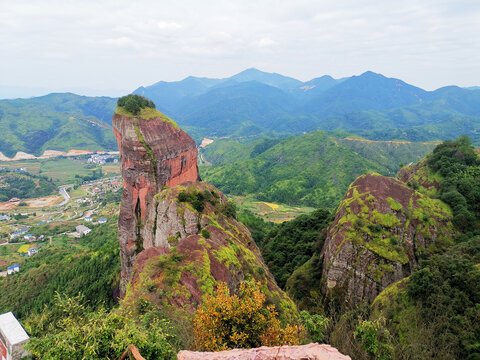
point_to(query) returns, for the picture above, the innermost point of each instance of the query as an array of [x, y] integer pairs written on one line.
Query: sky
[[110, 48]]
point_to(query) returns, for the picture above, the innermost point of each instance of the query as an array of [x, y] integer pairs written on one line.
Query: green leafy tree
[[316, 326], [375, 339], [135, 103]]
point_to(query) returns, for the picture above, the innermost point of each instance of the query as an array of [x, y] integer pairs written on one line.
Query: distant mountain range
[[251, 103], [370, 104]]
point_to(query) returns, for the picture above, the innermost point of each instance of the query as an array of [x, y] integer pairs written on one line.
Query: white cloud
[[121, 41], [59, 43], [266, 42]]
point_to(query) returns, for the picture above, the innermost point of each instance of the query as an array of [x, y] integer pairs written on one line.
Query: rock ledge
[[305, 352]]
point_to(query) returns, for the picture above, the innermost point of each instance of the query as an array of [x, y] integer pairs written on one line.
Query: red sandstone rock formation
[[304, 352], [380, 229], [153, 153]]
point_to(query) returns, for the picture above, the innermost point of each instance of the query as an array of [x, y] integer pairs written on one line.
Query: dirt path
[[392, 141]]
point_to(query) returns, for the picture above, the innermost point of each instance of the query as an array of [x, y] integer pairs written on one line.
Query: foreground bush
[[76, 333], [240, 321]]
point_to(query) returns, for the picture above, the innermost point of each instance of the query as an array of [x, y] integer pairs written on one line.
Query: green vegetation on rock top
[[147, 114], [134, 103], [140, 107]]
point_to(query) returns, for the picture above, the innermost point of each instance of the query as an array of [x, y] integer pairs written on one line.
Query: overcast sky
[[112, 47]]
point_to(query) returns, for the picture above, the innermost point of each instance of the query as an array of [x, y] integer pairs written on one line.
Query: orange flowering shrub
[[229, 321]]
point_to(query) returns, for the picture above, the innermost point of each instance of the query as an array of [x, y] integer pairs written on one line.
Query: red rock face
[[153, 154], [380, 230]]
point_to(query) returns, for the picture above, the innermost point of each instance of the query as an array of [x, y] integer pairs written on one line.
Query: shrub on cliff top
[[135, 103]]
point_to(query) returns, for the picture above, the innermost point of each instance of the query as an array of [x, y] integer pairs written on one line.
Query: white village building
[[12, 338], [83, 230]]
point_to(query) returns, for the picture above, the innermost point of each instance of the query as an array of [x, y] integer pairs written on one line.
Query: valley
[[71, 199], [334, 233]]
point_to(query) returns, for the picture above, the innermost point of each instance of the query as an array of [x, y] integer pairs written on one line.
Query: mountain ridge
[[251, 102]]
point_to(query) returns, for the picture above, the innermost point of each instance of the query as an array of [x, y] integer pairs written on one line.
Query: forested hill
[[314, 169], [431, 310], [24, 185]]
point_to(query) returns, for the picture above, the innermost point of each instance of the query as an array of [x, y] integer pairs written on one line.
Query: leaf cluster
[[458, 163], [198, 199], [228, 321], [68, 330]]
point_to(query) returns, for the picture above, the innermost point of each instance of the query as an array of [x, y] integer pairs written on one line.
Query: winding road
[[62, 190]]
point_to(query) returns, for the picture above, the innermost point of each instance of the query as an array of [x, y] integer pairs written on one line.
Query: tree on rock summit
[[135, 103]]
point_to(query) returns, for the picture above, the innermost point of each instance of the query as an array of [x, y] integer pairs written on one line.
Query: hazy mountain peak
[[372, 74], [272, 79]]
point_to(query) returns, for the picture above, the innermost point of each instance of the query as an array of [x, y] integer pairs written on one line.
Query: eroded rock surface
[[154, 153], [381, 229], [304, 352], [420, 177], [199, 243]]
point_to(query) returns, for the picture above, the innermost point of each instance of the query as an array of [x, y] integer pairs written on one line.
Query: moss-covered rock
[[420, 177], [381, 229]]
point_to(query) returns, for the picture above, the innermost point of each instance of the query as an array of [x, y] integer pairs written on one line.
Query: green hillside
[[314, 169], [56, 122], [88, 269], [24, 186]]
